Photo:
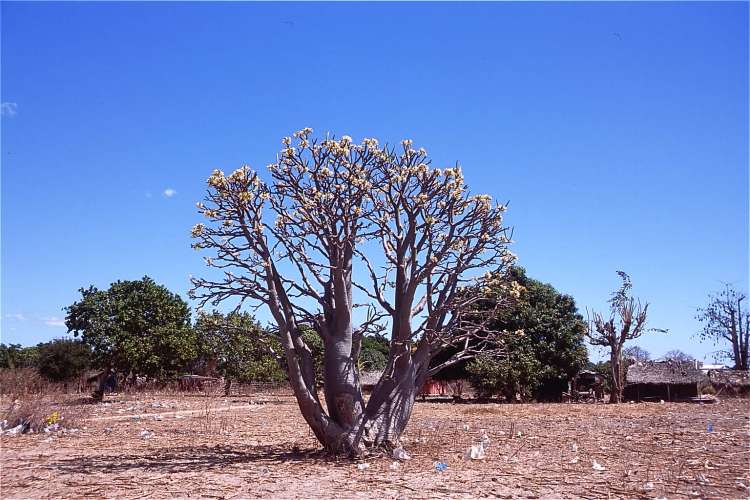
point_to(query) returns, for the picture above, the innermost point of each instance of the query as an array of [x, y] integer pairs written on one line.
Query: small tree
[[678, 355], [724, 321], [374, 353], [548, 348], [236, 343], [135, 327], [291, 245], [636, 353], [512, 377], [63, 359], [17, 356], [627, 321]]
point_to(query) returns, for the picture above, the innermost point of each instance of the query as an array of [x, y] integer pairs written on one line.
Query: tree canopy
[[726, 323], [236, 343], [544, 347], [415, 235], [136, 327], [63, 359]]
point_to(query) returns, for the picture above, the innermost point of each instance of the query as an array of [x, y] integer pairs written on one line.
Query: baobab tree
[[627, 321], [725, 321], [413, 234]]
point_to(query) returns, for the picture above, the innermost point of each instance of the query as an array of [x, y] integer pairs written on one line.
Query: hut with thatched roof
[[664, 380], [369, 379]]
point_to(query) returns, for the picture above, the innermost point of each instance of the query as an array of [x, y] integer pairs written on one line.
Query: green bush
[[63, 359]]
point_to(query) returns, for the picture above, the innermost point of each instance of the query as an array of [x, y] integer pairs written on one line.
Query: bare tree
[[412, 233], [725, 321], [678, 355], [637, 353], [627, 321]]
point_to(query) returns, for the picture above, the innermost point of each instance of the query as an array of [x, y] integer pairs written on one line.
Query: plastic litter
[[146, 434], [395, 466], [648, 486], [574, 460], [710, 427], [484, 439], [574, 447], [441, 466], [400, 454], [597, 466], [15, 430], [50, 428], [362, 466], [476, 452]]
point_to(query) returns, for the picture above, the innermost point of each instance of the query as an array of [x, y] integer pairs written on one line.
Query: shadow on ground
[[196, 459]]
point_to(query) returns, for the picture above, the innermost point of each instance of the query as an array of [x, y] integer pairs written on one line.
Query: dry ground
[[178, 446]]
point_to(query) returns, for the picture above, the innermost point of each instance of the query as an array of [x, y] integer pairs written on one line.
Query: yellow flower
[[197, 230]]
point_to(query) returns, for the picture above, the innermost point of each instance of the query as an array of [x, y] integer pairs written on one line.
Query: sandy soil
[[180, 446]]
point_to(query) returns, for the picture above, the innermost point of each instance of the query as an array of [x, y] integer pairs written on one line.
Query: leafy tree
[[678, 355], [374, 353], [509, 376], [547, 348], [135, 327], [16, 356], [603, 368], [637, 353], [724, 321], [63, 359], [236, 342], [627, 321], [290, 245]]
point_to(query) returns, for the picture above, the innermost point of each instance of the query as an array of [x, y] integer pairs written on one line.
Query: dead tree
[[725, 321], [413, 233], [627, 321]]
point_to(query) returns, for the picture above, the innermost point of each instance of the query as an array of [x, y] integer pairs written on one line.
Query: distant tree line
[[141, 329]]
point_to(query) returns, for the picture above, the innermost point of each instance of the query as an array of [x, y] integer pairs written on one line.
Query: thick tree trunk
[[341, 382]]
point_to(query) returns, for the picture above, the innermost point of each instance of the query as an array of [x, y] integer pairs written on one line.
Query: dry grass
[[34, 413]]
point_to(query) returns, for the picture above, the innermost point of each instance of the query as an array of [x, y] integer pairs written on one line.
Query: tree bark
[[341, 382], [615, 359]]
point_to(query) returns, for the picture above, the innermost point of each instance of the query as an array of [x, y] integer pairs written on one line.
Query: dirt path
[[174, 413]]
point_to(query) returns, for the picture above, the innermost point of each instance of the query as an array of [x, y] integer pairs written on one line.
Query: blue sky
[[618, 131]]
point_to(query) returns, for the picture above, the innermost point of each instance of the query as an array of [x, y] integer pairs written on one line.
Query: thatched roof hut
[[666, 380], [368, 380], [665, 372]]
